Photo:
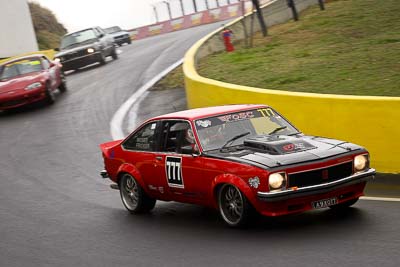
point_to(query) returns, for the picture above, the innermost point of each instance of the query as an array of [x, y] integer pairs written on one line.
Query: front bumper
[[317, 189], [78, 62], [21, 99]]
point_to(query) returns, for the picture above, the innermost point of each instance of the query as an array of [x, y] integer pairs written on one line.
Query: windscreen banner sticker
[[237, 116], [173, 169]]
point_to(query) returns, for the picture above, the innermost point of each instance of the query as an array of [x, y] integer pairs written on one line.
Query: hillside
[[48, 29]]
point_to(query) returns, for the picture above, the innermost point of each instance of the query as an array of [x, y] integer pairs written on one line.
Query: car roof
[[13, 59], [197, 113]]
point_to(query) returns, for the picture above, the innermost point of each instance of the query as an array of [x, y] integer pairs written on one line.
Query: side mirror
[[189, 150], [101, 35], [57, 49]]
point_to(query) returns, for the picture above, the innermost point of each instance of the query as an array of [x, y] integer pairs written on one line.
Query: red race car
[[29, 79], [237, 159]]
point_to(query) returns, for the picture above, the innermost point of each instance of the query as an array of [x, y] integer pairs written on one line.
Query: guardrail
[[192, 20], [372, 122]]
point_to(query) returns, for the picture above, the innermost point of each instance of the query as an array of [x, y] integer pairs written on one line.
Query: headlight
[[33, 86], [57, 59], [361, 162], [277, 180], [90, 50]]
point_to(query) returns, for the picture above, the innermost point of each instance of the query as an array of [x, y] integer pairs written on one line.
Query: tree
[[47, 28]]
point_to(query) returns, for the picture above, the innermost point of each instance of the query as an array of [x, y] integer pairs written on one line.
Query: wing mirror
[[189, 150], [57, 49]]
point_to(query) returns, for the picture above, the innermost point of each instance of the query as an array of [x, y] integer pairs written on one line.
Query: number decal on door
[[173, 168]]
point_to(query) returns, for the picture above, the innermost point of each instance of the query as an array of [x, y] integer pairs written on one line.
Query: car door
[[141, 151], [181, 169]]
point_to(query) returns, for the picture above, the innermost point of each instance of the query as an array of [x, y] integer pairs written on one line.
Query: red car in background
[[29, 79], [237, 159]]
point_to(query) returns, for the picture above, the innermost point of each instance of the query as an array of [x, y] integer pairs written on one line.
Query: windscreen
[[17, 68], [75, 38], [215, 132]]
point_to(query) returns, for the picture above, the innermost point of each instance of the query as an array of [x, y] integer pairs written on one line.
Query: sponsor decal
[[177, 24], [215, 13], [203, 123], [288, 147], [155, 29], [196, 18], [233, 11], [173, 169], [296, 146], [237, 116], [254, 182]]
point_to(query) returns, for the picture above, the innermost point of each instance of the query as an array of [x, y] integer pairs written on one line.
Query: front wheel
[[114, 54], [50, 97], [233, 206], [133, 196], [102, 59], [63, 85]]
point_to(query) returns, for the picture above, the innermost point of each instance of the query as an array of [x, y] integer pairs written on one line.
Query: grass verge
[[353, 47]]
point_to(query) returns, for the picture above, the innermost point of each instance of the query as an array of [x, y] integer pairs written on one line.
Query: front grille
[[320, 176], [79, 53], [12, 103]]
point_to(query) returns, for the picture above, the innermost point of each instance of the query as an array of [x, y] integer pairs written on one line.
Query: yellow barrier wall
[[49, 53], [373, 122]]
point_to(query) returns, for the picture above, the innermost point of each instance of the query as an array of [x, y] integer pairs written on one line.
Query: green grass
[[353, 47]]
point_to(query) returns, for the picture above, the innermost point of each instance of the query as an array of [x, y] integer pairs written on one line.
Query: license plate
[[324, 203]]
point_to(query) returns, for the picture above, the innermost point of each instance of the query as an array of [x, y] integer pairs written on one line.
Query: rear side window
[[142, 140]]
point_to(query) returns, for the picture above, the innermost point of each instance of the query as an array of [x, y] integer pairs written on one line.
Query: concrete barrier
[[372, 122]]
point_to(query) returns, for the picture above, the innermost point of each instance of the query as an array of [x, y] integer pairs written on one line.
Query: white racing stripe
[[392, 199], [118, 118]]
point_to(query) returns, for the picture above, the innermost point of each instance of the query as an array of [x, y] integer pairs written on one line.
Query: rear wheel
[[233, 206], [133, 196], [344, 205]]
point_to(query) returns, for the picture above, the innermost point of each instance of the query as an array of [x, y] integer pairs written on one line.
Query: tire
[[344, 205], [233, 206], [114, 54], [50, 97], [133, 196], [102, 59], [63, 84]]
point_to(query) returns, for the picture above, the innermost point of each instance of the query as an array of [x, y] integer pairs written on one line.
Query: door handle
[[158, 158]]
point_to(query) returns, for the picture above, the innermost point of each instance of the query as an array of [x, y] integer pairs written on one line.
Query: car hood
[[116, 34], [277, 150], [76, 49], [20, 82]]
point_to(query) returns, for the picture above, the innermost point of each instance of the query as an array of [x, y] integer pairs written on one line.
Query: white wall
[[16, 29]]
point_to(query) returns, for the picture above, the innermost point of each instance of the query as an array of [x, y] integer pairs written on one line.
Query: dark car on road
[[120, 36], [29, 79], [85, 47]]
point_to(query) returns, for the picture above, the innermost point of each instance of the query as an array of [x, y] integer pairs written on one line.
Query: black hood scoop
[[277, 144]]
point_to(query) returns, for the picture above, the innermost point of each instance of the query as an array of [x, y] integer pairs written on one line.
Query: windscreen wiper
[[236, 137], [278, 129]]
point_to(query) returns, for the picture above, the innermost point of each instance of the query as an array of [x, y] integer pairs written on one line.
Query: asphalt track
[[56, 211]]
